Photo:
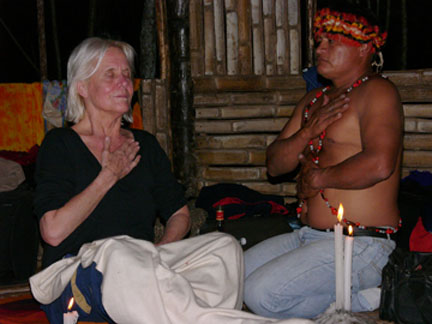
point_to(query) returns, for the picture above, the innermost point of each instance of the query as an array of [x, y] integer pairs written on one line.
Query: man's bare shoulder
[[380, 86], [378, 94]]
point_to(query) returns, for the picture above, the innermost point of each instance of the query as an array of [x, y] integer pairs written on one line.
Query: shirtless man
[[348, 140]]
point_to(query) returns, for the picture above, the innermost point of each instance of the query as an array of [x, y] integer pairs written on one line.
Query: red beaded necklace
[[315, 158]]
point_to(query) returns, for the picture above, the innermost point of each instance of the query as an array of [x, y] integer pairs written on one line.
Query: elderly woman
[[97, 179]]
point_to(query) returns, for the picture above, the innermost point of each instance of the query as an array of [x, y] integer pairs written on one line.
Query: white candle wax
[[338, 236], [70, 317], [349, 240]]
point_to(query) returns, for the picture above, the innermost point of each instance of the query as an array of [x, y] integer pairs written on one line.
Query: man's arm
[[282, 154], [381, 126], [177, 226]]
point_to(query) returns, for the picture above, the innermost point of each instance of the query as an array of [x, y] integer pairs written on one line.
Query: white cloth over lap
[[193, 281]]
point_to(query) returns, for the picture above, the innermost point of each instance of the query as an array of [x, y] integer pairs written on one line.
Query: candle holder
[[334, 316]]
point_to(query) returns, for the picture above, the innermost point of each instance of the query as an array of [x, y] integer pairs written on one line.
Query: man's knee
[[264, 301], [256, 298]]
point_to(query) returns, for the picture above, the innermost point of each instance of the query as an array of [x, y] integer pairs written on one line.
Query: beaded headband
[[351, 29]]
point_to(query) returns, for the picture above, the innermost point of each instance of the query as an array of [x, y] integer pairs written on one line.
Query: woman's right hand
[[121, 161]]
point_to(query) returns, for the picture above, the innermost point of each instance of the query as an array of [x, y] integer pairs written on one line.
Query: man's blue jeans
[[293, 274]]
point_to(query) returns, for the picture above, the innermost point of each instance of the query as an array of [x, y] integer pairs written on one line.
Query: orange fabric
[[21, 122], [136, 109], [137, 117]]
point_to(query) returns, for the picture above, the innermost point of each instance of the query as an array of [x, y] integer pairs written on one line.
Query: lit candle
[[70, 317], [349, 240], [338, 236]]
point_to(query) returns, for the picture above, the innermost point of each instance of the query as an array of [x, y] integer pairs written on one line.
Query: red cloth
[[23, 158], [420, 238], [24, 310], [21, 310]]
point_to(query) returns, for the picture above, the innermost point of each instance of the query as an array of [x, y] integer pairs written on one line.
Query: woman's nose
[[125, 80]]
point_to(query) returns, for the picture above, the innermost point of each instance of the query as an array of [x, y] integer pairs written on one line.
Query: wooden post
[[162, 35], [42, 40], [148, 41], [55, 39], [181, 87], [244, 37], [311, 9]]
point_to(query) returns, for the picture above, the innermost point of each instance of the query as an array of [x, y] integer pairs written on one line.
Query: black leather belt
[[362, 232]]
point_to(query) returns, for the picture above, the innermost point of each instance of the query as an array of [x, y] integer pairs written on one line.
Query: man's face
[[334, 57]]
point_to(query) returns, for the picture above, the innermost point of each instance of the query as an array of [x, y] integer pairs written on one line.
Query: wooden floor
[[15, 291], [375, 317]]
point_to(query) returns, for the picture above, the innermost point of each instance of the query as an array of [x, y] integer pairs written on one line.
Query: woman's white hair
[[83, 63]]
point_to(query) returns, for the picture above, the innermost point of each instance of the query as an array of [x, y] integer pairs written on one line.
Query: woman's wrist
[[106, 177]]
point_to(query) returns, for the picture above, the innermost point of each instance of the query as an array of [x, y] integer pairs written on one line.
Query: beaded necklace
[[315, 158]]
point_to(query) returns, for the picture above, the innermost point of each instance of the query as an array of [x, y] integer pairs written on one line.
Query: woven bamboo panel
[[245, 37]]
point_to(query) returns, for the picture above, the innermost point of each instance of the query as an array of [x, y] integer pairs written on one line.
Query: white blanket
[[193, 281]]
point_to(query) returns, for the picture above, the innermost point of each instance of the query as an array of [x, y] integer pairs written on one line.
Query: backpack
[[406, 293]]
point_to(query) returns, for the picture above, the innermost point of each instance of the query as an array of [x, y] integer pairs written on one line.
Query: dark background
[[113, 18], [122, 20]]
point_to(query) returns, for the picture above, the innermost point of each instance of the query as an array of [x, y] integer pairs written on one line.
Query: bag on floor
[[19, 236], [406, 294]]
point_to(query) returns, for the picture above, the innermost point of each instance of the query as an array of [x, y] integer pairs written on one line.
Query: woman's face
[[110, 88]]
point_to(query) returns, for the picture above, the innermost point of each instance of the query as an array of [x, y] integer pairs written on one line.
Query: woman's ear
[[82, 89]]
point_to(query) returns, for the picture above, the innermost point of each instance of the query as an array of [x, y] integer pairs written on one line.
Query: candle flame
[[340, 213], [71, 302], [350, 230]]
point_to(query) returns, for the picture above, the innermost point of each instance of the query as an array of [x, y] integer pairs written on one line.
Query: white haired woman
[[97, 179]]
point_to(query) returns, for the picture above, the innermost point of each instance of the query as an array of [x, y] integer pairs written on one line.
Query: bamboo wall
[[156, 112], [247, 81], [245, 37]]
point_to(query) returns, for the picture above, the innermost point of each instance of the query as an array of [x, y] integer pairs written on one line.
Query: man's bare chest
[[346, 130], [342, 139]]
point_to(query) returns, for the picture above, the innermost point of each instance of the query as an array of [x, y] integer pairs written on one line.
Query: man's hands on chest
[[321, 118], [307, 178]]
